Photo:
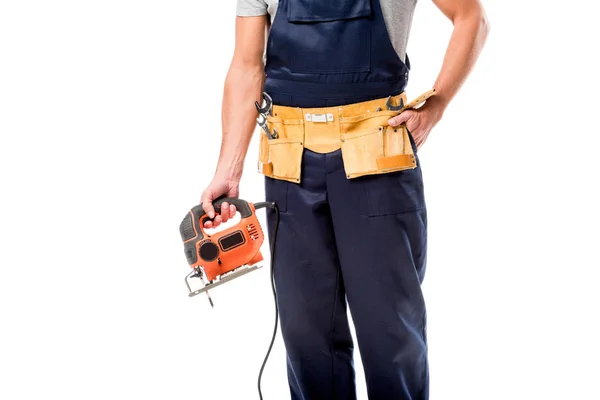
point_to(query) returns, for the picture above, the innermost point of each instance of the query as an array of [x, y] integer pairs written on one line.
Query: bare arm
[[470, 32], [467, 40], [243, 86]]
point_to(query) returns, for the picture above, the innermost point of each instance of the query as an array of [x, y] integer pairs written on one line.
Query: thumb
[[401, 118]]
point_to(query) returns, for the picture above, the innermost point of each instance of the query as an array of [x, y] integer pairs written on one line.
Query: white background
[[110, 130]]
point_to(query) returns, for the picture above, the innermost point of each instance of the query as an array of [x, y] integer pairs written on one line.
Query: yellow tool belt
[[368, 144]]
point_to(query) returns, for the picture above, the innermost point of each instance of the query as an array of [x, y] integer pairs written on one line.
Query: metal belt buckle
[[319, 117]]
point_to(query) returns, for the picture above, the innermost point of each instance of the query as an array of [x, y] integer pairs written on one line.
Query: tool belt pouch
[[370, 146], [281, 158]]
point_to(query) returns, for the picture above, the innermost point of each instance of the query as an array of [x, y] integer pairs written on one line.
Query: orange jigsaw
[[224, 255]]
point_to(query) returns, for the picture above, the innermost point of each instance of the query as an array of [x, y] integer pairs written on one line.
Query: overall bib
[[352, 231]]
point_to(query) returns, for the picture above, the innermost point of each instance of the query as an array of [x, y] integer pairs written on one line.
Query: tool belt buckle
[[319, 117]]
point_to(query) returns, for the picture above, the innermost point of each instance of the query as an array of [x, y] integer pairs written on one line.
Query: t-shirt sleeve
[[251, 8]]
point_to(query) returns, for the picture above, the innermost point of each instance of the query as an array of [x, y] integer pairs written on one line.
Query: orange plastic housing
[[242, 253]]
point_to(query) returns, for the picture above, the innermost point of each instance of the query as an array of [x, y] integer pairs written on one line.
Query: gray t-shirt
[[398, 15]]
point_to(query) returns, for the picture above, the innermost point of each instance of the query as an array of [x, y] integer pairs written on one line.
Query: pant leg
[[310, 288], [380, 228]]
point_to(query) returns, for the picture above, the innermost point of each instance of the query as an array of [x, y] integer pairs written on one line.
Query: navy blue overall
[[359, 241]]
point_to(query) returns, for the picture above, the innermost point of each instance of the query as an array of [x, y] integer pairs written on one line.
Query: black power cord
[[272, 242]]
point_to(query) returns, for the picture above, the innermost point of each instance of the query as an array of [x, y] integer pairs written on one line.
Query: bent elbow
[[484, 26]]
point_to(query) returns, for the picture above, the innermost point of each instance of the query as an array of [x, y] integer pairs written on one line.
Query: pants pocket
[[392, 193], [276, 191], [281, 158]]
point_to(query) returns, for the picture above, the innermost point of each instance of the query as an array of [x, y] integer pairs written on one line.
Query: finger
[[401, 118], [417, 140], [420, 142], [208, 224], [207, 206], [224, 211], [232, 210]]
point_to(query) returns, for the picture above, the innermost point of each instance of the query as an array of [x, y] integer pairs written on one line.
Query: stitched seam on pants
[[369, 214], [331, 347], [425, 377], [296, 379]]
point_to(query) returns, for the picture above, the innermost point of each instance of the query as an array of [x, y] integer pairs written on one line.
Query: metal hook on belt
[[262, 122], [262, 115], [268, 108], [391, 107]]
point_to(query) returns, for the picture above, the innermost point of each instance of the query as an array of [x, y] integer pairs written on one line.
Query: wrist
[[442, 97], [230, 169], [436, 106]]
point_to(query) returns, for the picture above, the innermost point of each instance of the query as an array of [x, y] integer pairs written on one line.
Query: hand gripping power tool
[[225, 255]]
